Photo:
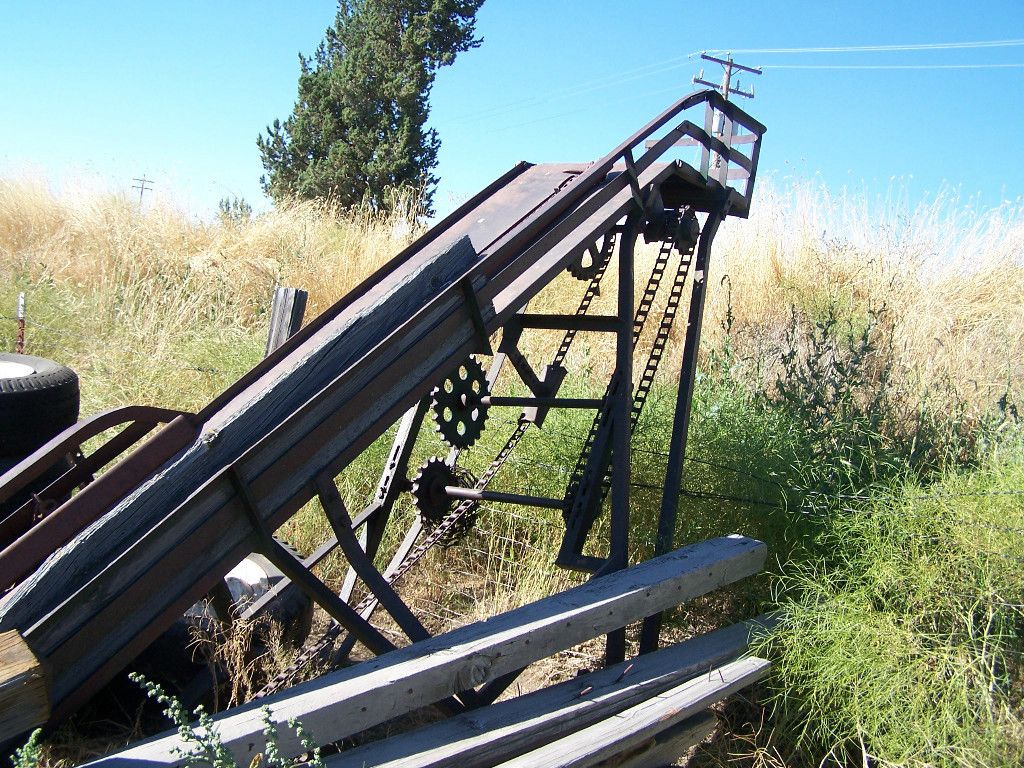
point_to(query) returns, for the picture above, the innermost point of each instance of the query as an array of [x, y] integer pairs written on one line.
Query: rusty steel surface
[[524, 229]]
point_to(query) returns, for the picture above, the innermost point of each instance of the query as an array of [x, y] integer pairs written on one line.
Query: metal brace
[[634, 180], [339, 610], [476, 316]]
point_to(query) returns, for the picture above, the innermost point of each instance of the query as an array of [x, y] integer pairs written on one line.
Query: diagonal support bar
[[339, 610], [362, 564]]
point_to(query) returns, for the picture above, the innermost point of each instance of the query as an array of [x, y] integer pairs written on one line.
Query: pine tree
[[358, 130]]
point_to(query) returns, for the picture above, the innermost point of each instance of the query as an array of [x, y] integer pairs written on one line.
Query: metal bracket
[[476, 316], [634, 180]]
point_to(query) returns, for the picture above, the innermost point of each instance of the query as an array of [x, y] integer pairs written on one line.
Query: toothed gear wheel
[[428, 491], [597, 258], [687, 232], [458, 413], [434, 504]]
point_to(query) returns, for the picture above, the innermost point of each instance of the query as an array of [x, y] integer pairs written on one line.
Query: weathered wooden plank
[[138, 590], [286, 312], [351, 700], [666, 747], [504, 730], [619, 733], [24, 701]]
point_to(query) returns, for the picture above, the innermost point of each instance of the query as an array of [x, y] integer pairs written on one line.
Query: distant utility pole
[[141, 186], [726, 88]]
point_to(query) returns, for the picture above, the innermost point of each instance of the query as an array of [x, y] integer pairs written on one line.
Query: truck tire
[[38, 400]]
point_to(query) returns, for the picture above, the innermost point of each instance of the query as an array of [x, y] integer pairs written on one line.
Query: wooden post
[[286, 314], [19, 345]]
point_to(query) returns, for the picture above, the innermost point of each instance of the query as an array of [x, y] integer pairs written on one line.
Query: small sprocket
[[459, 414], [428, 485], [433, 504], [687, 232]]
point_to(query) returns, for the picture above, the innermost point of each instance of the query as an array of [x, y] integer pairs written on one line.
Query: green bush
[[903, 638]]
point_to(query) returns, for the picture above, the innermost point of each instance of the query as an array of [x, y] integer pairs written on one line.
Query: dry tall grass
[[950, 278], [140, 286], [155, 306]]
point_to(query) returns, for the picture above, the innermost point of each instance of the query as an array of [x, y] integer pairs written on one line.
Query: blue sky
[[96, 93]]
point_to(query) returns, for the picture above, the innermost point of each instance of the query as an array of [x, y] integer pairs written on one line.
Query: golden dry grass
[[140, 285], [157, 307], [951, 278]]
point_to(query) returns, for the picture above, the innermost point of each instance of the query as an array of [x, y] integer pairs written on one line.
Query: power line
[[869, 48], [893, 66], [587, 86], [623, 77]]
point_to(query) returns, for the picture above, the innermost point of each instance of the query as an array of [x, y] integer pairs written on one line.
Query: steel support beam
[[681, 419]]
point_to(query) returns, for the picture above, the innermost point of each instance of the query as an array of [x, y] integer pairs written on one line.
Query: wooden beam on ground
[[634, 726], [501, 731], [667, 747], [351, 700]]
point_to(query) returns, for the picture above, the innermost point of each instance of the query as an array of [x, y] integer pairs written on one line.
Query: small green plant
[[234, 211], [30, 754], [205, 745]]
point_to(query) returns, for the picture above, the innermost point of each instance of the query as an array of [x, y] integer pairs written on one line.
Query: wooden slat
[[666, 747], [607, 738], [504, 730], [286, 313], [351, 700], [24, 702]]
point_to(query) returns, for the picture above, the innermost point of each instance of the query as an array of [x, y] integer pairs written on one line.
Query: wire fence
[[72, 345]]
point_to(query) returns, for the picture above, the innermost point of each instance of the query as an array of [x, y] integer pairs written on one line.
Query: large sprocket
[[598, 258], [459, 414]]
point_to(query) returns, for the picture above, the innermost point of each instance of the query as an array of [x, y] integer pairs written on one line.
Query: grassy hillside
[[856, 409]]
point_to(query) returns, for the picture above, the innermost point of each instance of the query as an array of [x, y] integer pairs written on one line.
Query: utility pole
[[726, 88], [141, 186]]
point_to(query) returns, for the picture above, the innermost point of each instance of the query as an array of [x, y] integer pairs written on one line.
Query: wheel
[[292, 609], [251, 579], [38, 400]]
